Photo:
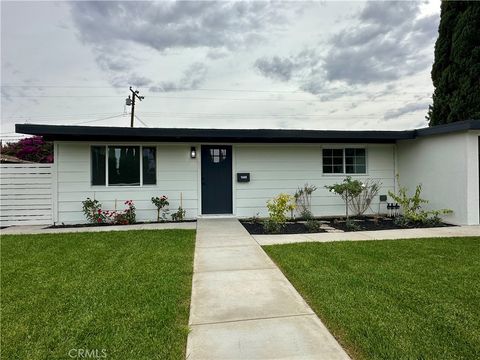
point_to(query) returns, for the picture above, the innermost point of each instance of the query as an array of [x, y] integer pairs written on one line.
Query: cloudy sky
[[255, 64]]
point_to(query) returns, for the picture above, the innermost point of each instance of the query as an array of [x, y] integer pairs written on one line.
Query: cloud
[[192, 78], [406, 109], [387, 42], [284, 69], [176, 24]]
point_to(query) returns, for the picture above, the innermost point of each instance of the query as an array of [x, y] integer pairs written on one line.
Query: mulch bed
[[383, 223], [63, 226], [365, 223], [256, 228]]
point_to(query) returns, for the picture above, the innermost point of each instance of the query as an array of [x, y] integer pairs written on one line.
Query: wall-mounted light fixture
[[193, 152]]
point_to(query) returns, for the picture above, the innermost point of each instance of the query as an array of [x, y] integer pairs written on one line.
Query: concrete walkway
[[43, 229], [451, 231], [243, 307]]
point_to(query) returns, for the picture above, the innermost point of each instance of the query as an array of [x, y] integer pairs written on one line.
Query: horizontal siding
[[176, 174], [283, 168]]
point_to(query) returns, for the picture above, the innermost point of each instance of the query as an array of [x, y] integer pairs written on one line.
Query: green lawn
[[404, 299], [127, 292]]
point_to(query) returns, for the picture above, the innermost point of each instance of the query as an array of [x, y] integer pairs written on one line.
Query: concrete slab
[[231, 258], [451, 231], [223, 241], [297, 337], [42, 229], [242, 295], [243, 307]]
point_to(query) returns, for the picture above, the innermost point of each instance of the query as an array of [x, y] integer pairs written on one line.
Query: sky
[[245, 64]]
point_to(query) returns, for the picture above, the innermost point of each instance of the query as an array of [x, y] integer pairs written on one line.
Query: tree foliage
[[456, 69], [33, 149]]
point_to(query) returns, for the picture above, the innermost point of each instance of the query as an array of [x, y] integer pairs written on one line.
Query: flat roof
[[104, 133]]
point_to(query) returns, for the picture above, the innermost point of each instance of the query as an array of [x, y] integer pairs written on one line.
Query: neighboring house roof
[[8, 159], [99, 133]]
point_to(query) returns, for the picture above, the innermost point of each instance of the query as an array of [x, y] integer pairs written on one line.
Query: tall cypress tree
[[456, 69]]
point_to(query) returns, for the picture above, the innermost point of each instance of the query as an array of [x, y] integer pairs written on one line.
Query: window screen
[[348, 161], [333, 161], [149, 166], [355, 162], [124, 165], [98, 165]]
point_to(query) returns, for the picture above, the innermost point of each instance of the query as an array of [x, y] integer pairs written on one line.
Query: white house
[[234, 172]]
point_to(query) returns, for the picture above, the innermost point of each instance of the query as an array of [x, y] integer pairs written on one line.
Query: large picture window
[[344, 161], [124, 165]]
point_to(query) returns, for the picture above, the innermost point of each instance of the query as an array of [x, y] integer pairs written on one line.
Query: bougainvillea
[[33, 149]]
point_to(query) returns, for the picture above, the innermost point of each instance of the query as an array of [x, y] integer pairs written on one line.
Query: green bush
[[412, 206], [279, 206], [312, 225], [272, 227]]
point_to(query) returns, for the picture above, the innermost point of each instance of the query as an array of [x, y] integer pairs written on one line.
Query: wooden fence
[[25, 194]]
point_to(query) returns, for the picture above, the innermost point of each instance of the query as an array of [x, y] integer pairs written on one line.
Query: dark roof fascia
[[102, 133], [89, 133], [449, 128]]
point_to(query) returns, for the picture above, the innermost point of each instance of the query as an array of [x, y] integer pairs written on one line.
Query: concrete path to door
[[243, 307]]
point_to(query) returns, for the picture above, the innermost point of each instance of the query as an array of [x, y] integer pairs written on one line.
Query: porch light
[[193, 152]]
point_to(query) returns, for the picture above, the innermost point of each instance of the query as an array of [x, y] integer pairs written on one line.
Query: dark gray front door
[[216, 179]]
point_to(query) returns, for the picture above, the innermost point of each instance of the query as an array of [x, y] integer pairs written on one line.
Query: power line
[[187, 90]]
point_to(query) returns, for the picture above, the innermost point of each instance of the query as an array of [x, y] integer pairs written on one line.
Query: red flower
[[99, 220], [99, 211]]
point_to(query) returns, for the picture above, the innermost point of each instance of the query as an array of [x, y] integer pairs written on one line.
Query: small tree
[[348, 190], [161, 203]]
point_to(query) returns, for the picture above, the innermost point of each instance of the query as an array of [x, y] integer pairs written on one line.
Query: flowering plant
[[161, 203], [33, 149], [94, 213]]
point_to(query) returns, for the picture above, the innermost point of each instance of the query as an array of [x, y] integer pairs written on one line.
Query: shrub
[[303, 199], [129, 213], [352, 225], [94, 213], [92, 210], [179, 215], [161, 204], [360, 203], [412, 206], [272, 227], [279, 206], [306, 215], [312, 225]]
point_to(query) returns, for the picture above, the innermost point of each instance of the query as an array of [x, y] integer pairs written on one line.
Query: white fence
[[25, 194]]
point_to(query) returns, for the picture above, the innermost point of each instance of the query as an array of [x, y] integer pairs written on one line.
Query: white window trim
[[343, 161], [107, 185]]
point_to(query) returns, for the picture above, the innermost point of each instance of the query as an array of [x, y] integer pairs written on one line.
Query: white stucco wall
[[274, 168], [447, 167], [176, 173]]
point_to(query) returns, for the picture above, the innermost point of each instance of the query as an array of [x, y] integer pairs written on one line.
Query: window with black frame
[[344, 161], [124, 165]]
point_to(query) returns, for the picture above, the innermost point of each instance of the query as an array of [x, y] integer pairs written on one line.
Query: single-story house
[[235, 171]]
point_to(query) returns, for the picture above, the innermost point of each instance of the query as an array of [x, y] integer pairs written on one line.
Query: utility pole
[[131, 101]]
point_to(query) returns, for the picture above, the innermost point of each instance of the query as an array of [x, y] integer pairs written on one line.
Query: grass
[[127, 292], [405, 299]]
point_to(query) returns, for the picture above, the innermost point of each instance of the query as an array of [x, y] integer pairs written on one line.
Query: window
[[149, 166], [98, 165], [218, 155], [344, 161], [123, 165]]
